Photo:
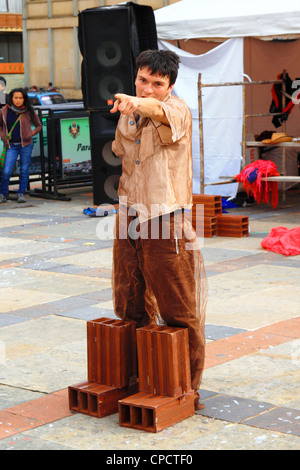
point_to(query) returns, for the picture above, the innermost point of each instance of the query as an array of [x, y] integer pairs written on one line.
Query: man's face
[[152, 86]]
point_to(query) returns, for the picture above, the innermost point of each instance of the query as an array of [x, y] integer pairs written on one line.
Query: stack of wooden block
[[116, 351], [165, 395], [111, 370], [205, 220], [208, 219]]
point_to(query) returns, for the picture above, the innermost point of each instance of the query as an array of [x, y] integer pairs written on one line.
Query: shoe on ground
[[2, 198], [21, 198], [198, 405]]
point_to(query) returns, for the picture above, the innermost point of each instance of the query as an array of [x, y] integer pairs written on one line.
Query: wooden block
[[212, 204], [153, 413], [111, 352], [233, 233], [233, 220], [163, 360], [205, 226], [233, 225], [97, 400]]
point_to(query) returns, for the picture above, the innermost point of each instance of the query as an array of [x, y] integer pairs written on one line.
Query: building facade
[[11, 43], [50, 41]]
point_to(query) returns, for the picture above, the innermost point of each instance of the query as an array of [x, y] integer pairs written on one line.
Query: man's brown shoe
[[198, 405]]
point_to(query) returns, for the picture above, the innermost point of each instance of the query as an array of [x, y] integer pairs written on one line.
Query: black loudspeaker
[[110, 39], [106, 167]]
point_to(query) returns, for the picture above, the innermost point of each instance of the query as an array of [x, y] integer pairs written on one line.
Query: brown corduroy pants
[[157, 277]]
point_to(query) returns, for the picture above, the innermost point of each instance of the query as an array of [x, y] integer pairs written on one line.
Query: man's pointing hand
[[126, 104]]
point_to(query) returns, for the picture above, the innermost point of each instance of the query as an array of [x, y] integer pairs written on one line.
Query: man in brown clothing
[[158, 270]]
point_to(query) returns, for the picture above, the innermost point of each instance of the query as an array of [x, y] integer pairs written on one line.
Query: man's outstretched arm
[[145, 107]]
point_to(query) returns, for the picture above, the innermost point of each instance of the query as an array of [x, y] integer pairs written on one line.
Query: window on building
[[11, 6], [11, 48]]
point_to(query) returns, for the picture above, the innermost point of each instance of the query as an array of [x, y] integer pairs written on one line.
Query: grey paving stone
[[204, 394], [101, 295], [215, 332], [232, 409], [24, 441], [39, 265], [12, 396], [288, 261], [88, 313], [284, 420], [70, 303], [218, 255], [35, 311], [6, 319], [67, 269], [258, 234]]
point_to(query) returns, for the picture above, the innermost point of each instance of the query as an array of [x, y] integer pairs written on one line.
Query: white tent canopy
[[189, 19]]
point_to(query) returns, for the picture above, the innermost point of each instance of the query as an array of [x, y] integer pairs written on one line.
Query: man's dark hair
[[2, 79], [164, 63]]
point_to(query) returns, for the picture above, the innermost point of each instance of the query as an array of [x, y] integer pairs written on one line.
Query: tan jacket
[[157, 167], [25, 123]]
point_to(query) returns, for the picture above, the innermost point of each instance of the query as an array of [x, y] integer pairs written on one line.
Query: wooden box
[[153, 413], [163, 360]]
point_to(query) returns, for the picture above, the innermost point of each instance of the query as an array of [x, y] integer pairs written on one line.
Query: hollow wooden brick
[[96, 399], [212, 204], [153, 413], [111, 352], [163, 360], [233, 225]]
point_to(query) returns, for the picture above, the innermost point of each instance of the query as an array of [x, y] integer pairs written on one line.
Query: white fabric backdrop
[[190, 19], [222, 111]]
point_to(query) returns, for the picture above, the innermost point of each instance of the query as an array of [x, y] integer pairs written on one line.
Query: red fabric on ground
[[283, 240]]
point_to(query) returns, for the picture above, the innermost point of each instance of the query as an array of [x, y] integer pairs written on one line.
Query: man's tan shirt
[[157, 166]]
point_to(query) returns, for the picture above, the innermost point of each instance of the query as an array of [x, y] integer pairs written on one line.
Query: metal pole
[[51, 58], [76, 58], [244, 128], [201, 135], [283, 130], [25, 44]]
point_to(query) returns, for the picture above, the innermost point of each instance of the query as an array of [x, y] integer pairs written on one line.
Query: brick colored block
[[153, 413], [97, 400], [205, 226], [233, 225], [163, 360], [212, 204], [111, 352]]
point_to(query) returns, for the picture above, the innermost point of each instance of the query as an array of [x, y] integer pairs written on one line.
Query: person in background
[[51, 87], [3, 95], [16, 133]]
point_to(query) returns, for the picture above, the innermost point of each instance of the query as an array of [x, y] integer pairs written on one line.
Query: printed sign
[[76, 146]]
